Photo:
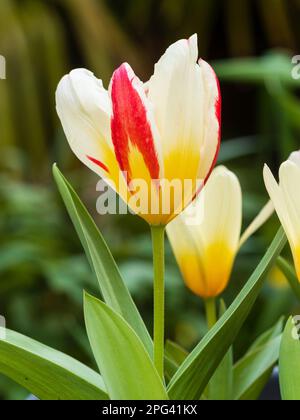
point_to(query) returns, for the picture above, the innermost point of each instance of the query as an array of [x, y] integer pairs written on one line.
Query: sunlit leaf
[[253, 371], [221, 383], [45, 372], [127, 369], [193, 375], [289, 362], [112, 286]]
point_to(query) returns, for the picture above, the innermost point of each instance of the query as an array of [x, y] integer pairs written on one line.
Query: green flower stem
[[158, 234], [211, 312]]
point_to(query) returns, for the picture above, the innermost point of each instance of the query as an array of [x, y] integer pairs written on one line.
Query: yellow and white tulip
[[286, 199], [206, 244], [167, 129]]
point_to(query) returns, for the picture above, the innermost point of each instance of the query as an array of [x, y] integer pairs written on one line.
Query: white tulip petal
[[205, 250], [189, 254], [279, 202], [222, 198], [289, 176], [83, 106], [295, 157], [212, 122], [184, 96]]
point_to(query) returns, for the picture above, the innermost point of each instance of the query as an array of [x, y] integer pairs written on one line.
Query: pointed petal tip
[[193, 37], [124, 71], [124, 67], [221, 170], [61, 84], [295, 157], [193, 41], [75, 73], [266, 171], [193, 46]]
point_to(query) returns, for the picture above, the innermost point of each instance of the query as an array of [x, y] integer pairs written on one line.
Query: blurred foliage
[[42, 267]]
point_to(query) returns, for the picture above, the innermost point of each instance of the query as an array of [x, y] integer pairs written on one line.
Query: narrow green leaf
[[289, 362], [268, 335], [257, 70], [127, 369], [221, 383], [253, 371], [174, 356], [175, 352], [290, 274], [170, 367], [193, 375], [112, 286], [45, 372]]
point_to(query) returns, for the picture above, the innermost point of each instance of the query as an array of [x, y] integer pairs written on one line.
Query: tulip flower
[[286, 199], [160, 132], [154, 143], [205, 239], [205, 250]]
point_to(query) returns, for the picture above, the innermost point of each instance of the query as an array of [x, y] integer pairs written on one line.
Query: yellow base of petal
[[159, 201], [208, 275], [296, 255]]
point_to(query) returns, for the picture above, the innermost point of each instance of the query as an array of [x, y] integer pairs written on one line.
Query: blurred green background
[[42, 266]]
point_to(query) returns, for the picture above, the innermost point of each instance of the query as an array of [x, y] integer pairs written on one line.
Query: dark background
[[42, 266]]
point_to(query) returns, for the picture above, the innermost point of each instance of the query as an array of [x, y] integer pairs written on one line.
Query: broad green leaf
[[127, 369], [112, 286], [193, 375], [289, 362], [175, 352], [290, 274], [221, 383], [253, 371], [45, 372]]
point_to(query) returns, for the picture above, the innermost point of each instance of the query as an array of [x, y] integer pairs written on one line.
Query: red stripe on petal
[[98, 163], [129, 124], [218, 111]]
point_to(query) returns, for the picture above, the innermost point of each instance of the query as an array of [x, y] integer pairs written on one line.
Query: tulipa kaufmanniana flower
[[155, 143], [160, 132], [206, 237], [286, 199]]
